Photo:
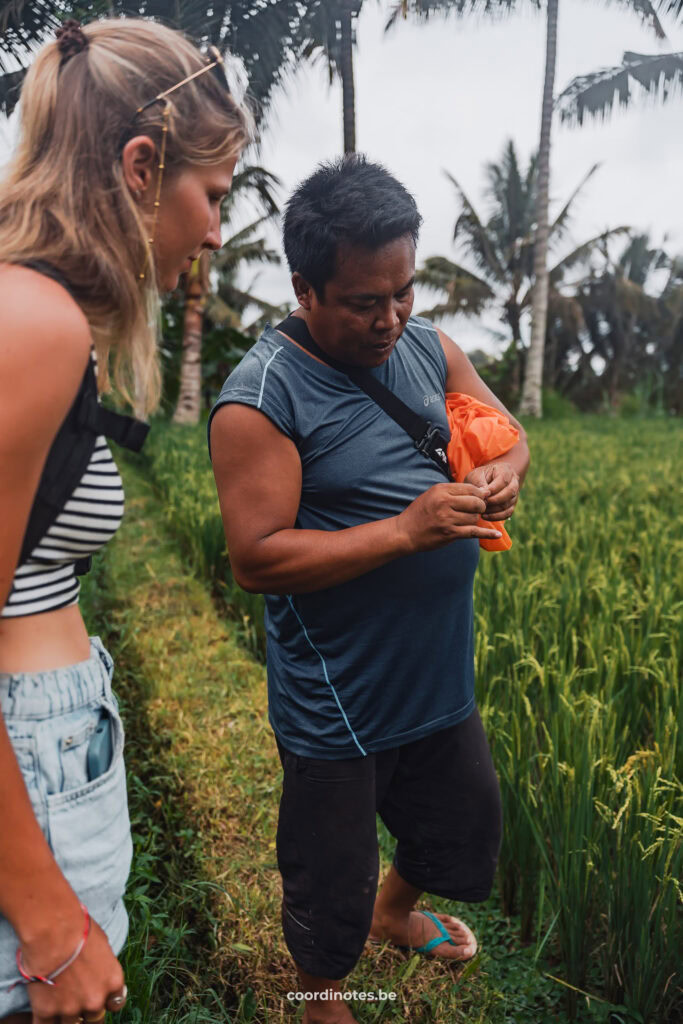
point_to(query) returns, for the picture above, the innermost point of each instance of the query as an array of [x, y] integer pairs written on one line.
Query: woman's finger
[[117, 1000]]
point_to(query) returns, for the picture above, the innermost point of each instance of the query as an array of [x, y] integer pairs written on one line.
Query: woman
[[129, 138]]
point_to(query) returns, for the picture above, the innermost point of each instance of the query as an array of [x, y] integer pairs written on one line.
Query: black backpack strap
[[428, 439], [73, 445]]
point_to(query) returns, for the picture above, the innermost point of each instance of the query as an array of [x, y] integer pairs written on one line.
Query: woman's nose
[[213, 236]]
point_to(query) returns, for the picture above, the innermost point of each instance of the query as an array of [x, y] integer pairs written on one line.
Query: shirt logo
[[430, 399]]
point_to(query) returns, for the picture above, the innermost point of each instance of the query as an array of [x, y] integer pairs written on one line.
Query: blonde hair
[[63, 199]]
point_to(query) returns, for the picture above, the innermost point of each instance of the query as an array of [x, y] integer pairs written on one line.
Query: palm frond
[[477, 241], [559, 226], [659, 76], [582, 253], [423, 10], [466, 293]]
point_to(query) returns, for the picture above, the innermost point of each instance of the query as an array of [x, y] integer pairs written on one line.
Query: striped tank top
[[47, 579]]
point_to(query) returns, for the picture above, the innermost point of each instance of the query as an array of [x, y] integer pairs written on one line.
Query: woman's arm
[[44, 350]]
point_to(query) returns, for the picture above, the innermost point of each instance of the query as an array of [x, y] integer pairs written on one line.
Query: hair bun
[[71, 39]]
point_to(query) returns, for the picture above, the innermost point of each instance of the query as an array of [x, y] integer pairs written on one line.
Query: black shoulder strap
[[125, 430], [427, 437], [73, 445]]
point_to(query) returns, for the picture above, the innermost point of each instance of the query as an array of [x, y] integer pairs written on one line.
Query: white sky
[[449, 93]]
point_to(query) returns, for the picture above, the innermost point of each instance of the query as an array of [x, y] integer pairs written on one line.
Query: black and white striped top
[[47, 580]]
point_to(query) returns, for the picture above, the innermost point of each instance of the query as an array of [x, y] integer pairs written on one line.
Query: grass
[[204, 780], [578, 665], [578, 668]]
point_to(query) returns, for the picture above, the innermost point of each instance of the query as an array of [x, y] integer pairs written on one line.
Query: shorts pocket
[[89, 829]]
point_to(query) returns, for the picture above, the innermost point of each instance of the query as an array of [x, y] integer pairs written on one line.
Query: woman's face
[[189, 218]]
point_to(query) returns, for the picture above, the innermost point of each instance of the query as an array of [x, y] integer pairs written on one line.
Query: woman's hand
[[502, 483], [92, 984]]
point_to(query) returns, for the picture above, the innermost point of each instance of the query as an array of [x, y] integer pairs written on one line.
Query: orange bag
[[479, 433]]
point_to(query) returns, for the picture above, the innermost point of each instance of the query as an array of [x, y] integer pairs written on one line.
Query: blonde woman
[[129, 138]]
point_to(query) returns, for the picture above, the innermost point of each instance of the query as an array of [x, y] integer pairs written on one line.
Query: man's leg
[[444, 808], [329, 862]]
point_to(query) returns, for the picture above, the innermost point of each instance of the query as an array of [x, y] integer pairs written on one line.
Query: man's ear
[[303, 291]]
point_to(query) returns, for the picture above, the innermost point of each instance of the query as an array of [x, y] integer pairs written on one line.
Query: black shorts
[[439, 797]]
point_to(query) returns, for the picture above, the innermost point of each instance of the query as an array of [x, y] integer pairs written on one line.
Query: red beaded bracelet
[[49, 979]]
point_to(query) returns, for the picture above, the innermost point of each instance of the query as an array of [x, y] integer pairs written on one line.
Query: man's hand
[[444, 513], [502, 483]]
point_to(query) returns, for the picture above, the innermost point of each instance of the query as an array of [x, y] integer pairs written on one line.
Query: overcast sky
[[449, 93]]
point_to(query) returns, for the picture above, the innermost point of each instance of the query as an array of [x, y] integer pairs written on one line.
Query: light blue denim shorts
[[50, 717]]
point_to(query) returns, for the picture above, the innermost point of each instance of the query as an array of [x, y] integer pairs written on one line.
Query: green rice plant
[[578, 667], [641, 867]]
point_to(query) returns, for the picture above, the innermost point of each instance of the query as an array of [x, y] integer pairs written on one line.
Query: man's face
[[366, 305]]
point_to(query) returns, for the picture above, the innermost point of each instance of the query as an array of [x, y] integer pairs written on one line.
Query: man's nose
[[388, 318]]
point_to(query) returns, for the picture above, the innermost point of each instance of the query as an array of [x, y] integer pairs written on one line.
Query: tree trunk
[[190, 393], [531, 395], [346, 70]]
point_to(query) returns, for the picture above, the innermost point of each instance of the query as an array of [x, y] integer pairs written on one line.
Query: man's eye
[[362, 306]]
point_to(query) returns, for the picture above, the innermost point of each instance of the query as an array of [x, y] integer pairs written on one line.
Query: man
[[366, 555]]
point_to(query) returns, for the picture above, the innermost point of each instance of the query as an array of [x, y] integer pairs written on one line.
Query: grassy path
[[204, 782]]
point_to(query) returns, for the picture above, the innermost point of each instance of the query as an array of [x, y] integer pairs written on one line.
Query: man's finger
[[495, 517], [470, 504], [509, 494]]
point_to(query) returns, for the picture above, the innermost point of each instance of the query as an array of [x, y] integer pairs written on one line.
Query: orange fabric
[[479, 433]]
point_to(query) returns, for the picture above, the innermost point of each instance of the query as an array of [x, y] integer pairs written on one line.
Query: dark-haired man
[[366, 555]]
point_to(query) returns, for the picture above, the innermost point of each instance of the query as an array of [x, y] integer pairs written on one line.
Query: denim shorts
[[50, 717]]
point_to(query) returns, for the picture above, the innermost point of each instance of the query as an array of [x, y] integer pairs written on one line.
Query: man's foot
[[339, 1013], [417, 929]]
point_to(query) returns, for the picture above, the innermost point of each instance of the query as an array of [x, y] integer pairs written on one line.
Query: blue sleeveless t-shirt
[[388, 657]]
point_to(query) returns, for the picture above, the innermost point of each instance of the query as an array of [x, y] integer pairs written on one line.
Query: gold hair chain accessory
[[162, 164]]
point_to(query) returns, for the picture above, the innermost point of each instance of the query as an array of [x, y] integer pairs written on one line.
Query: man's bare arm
[[258, 476]]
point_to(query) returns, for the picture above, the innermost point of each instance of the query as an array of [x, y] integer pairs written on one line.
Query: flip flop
[[443, 936]]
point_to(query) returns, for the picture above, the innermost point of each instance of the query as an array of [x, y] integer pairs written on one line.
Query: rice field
[[578, 650]]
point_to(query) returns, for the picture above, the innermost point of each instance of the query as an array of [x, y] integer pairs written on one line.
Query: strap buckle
[[432, 445]]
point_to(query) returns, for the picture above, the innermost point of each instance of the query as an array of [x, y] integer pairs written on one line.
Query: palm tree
[[261, 34], [531, 403], [23, 26], [423, 9], [659, 75], [225, 304], [328, 28], [630, 328], [502, 252]]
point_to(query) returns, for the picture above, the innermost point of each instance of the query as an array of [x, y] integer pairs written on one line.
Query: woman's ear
[[139, 163]]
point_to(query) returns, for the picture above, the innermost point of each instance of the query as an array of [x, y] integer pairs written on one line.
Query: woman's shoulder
[[45, 345]]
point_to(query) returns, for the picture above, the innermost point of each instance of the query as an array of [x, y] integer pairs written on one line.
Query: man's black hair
[[347, 201]]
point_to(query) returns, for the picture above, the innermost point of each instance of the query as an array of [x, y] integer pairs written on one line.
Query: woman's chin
[[169, 282]]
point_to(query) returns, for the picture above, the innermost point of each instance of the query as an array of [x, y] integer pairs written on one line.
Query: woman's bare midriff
[[36, 643]]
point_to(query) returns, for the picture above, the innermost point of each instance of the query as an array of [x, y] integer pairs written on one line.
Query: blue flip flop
[[443, 936]]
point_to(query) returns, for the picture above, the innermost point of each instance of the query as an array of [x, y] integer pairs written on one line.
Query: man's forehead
[[361, 270]]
